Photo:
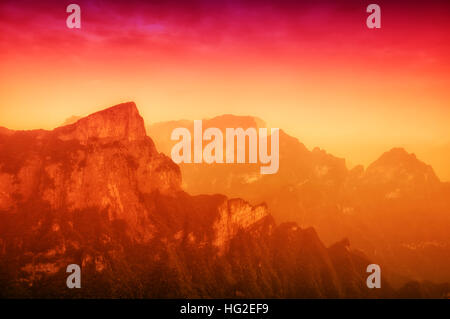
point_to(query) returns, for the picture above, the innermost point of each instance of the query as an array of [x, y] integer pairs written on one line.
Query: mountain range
[[396, 210], [98, 193]]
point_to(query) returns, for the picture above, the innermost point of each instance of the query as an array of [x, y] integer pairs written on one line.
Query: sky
[[312, 68]]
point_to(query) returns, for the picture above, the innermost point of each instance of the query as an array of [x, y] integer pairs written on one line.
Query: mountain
[[97, 193], [398, 173], [397, 210], [408, 210], [71, 120]]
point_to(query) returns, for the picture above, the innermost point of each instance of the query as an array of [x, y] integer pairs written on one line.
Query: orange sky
[[311, 69]]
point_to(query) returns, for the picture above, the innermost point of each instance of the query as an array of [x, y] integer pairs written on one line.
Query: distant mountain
[[98, 193], [399, 173], [396, 211], [71, 120]]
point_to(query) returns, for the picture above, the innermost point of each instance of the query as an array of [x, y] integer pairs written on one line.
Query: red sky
[[312, 68]]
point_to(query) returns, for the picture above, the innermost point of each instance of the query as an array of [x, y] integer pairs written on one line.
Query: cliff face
[[97, 193], [103, 161], [234, 215], [120, 122]]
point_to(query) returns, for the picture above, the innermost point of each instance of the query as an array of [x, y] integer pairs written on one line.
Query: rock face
[[234, 215], [98, 194], [103, 161], [121, 122]]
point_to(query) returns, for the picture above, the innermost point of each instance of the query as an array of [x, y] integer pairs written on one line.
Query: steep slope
[[97, 193]]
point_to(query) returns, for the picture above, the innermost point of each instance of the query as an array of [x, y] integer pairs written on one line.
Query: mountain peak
[[399, 156], [397, 153], [119, 122], [399, 165]]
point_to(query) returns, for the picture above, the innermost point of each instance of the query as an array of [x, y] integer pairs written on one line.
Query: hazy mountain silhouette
[[396, 211], [71, 120]]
